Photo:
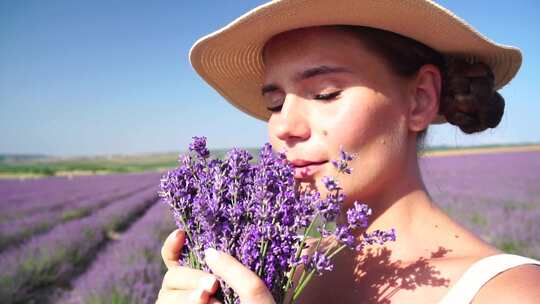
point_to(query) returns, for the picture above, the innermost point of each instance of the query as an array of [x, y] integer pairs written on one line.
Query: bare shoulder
[[517, 285]]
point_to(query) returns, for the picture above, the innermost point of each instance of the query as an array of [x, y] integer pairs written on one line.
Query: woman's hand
[[183, 284], [186, 285]]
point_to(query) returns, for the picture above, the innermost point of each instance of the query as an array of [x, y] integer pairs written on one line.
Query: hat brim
[[230, 59]]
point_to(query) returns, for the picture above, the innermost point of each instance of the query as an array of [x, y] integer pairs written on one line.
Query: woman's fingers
[[184, 284], [185, 296], [249, 287], [184, 278], [172, 248], [187, 285]]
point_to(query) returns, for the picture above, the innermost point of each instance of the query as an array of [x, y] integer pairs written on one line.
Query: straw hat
[[230, 59]]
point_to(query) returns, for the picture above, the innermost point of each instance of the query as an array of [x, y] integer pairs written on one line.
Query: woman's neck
[[404, 205]]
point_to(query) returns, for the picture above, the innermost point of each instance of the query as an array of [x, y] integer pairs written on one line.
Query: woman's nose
[[293, 123]]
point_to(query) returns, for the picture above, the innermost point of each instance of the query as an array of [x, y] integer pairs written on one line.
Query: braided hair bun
[[468, 97]]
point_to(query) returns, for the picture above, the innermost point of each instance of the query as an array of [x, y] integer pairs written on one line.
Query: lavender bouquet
[[256, 213]]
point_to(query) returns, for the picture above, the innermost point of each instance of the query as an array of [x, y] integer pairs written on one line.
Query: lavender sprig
[[254, 212]]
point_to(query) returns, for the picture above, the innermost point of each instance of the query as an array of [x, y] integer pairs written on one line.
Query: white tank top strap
[[480, 273]]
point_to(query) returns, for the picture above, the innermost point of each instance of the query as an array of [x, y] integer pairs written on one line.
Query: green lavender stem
[[299, 252]]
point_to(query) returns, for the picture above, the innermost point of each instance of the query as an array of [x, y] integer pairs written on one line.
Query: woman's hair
[[468, 98]]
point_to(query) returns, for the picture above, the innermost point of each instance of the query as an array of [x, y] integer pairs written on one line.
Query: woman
[[369, 76]]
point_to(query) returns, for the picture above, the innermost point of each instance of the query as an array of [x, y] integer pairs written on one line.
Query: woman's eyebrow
[[320, 70], [309, 73]]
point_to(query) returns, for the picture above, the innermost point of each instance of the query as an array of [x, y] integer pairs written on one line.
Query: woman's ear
[[425, 93]]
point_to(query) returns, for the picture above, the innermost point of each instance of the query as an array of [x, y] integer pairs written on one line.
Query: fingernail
[[196, 296], [207, 283], [173, 234], [210, 255]]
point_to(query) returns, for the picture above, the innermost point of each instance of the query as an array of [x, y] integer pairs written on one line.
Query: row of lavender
[[46, 261], [19, 198], [497, 196], [129, 270], [62, 200]]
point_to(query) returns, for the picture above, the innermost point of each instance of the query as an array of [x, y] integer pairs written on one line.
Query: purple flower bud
[[342, 165], [198, 145], [344, 235], [344, 156], [320, 263], [357, 216], [379, 237], [330, 183]]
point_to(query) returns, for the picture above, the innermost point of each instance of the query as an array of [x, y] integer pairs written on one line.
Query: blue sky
[[109, 77]]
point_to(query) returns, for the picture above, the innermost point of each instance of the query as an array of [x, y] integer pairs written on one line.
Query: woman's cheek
[[272, 138]]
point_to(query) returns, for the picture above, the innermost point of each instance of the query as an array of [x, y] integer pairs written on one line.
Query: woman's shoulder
[[518, 284], [497, 278]]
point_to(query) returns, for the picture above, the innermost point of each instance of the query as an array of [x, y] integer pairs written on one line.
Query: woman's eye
[[275, 108], [327, 96], [324, 96], [274, 101]]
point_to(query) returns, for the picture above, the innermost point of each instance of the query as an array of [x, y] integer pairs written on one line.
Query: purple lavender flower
[[198, 145], [330, 206], [342, 164], [254, 211], [357, 216], [330, 183], [376, 237], [319, 262], [344, 235]]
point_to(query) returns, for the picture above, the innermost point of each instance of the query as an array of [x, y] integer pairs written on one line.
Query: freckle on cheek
[[324, 132]]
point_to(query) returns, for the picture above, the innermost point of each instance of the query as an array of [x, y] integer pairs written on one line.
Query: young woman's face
[[327, 90]]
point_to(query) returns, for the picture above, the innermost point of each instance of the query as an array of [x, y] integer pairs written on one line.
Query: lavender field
[[97, 239], [87, 239], [497, 196]]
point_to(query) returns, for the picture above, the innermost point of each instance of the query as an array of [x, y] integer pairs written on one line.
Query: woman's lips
[[306, 169]]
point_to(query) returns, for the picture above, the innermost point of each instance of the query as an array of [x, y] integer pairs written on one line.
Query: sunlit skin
[[327, 90], [368, 117], [376, 115]]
